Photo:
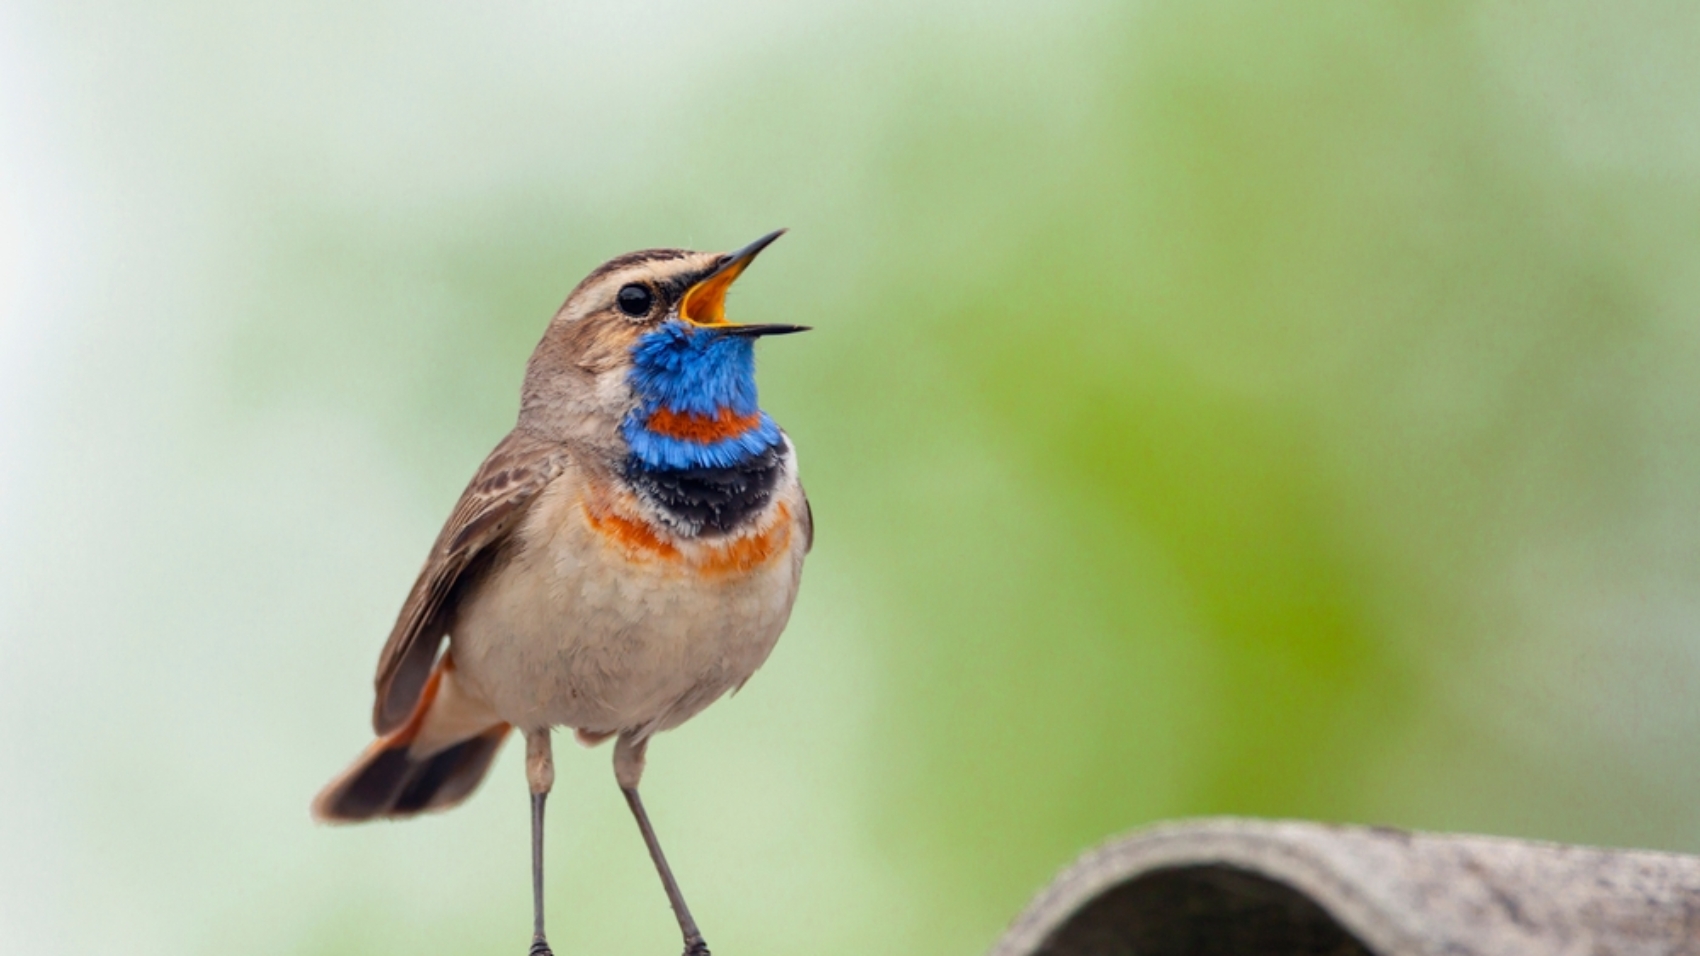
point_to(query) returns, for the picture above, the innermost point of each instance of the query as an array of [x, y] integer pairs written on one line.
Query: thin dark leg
[[694, 945], [540, 774], [539, 944]]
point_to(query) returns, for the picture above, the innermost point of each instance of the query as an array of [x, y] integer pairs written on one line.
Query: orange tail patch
[[432, 762]]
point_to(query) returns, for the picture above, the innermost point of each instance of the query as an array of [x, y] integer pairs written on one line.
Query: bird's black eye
[[635, 300]]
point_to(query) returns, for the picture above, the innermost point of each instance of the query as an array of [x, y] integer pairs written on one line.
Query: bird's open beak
[[705, 303]]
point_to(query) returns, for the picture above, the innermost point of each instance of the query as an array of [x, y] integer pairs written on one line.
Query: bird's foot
[[696, 947], [540, 947]]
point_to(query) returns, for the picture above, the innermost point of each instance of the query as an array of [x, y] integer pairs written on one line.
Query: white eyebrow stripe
[[662, 274]]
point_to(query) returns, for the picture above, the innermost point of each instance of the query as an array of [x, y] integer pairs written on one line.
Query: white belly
[[583, 626]]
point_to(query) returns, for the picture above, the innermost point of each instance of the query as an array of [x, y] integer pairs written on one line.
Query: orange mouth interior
[[705, 303]]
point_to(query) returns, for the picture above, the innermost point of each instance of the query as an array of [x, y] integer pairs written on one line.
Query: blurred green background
[[1277, 409]]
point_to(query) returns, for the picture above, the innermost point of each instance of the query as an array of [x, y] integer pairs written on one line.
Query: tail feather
[[451, 776], [432, 762]]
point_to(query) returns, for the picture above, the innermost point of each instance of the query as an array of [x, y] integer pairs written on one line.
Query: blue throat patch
[[695, 372]]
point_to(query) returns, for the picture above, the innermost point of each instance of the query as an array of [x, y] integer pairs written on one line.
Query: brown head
[[579, 383]]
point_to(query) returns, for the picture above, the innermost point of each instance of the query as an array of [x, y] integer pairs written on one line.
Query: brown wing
[[808, 521], [491, 505]]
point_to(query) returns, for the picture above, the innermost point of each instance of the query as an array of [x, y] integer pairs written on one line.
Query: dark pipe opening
[[1202, 911]]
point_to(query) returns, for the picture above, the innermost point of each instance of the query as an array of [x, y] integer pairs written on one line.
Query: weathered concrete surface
[[1248, 887]]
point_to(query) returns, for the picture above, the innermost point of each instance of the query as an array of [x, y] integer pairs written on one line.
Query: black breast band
[[711, 500]]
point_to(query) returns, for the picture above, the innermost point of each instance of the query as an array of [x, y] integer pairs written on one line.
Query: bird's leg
[[540, 774], [628, 768]]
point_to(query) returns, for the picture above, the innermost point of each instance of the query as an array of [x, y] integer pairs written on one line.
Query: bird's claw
[[696, 947], [540, 947]]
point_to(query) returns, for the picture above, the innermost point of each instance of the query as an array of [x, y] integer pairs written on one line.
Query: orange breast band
[[752, 551], [642, 542], [636, 537], [701, 428]]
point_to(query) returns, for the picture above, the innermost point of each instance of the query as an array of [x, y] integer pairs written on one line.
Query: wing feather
[[492, 504], [808, 522]]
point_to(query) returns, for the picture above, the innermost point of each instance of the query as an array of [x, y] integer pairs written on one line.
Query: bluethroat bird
[[627, 554]]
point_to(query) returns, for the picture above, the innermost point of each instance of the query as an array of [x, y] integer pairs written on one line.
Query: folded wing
[[492, 504]]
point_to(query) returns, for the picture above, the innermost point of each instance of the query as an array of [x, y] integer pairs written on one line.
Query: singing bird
[[628, 553]]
